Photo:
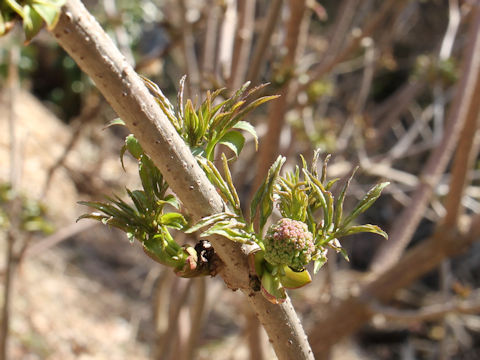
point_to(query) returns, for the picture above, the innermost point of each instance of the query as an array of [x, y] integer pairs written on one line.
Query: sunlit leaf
[[243, 125], [32, 22], [229, 181], [340, 200], [133, 146], [317, 265], [361, 229], [263, 196], [295, 279], [234, 141], [208, 220], [173, 220], [365, 203], [48, 10]]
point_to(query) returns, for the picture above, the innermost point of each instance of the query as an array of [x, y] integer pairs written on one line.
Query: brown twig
[[57, 237], [256, 65], [88, 113], [243, 43], [83, 38], [197, 318], [430, 312], [253, 334], [209, 59], [191, 62], [227, 38], [179, 294]]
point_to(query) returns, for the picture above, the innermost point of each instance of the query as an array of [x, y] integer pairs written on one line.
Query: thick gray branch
[[86, 42]]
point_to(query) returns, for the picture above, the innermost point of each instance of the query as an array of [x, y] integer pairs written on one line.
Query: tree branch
[[86, 42]]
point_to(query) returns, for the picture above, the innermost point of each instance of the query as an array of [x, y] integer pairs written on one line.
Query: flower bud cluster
[[288, 242]]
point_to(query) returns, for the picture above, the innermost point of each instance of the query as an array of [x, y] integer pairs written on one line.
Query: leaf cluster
[[33, 14], [145, 219], [303, 194], [214, 121]]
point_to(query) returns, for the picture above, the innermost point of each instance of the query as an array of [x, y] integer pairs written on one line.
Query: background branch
[[408, 221]]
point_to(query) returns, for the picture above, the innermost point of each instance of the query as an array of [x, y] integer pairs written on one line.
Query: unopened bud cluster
[[288, 242]]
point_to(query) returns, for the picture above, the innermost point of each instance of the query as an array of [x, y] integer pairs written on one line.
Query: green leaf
[[173, 220], [50, 12], [331, 183], [328, 216], [295, 279], [272, 289], [365, 203], [266, 205], [171, 200], [229, 181], [208, 220], [139, 200], [225, 229], [217, 180], [116, 121], [324, 167], [340, 200], [145, 174], [254, 104], [317, 265], [16, 7], [166, 106], [32, 22], [105, 208], [234, 141], [3, 24], [133, 146], [317, 198], [243, 125], [361, 229]]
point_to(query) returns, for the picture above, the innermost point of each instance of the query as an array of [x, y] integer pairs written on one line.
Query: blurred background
[[371, 82]]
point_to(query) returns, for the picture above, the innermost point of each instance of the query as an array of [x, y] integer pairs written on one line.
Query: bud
[[288, 242]]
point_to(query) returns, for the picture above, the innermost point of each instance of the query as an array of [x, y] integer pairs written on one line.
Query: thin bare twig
[[197, 318], [193, 72], [430, 312], [88, 113], [209, 59], [258, 57], [57, 237], [243, 43], [225, 50]]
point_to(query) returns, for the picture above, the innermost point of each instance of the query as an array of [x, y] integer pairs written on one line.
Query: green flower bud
[[288, 242]]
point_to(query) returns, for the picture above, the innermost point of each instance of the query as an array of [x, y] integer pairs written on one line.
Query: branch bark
[[86, 42]]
